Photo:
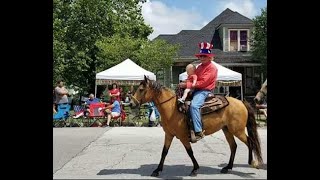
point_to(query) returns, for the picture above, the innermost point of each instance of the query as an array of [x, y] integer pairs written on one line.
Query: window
[[233, 41], [238, 40]]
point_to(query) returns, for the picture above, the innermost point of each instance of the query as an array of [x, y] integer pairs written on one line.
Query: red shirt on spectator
[[113, 92]]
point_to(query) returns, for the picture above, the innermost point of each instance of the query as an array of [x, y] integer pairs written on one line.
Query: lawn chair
[[96, 112], [62, 115], [120, 118], [117, 120]]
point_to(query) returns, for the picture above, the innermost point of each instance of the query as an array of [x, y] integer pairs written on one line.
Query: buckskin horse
[[233, 119], [262, 93]]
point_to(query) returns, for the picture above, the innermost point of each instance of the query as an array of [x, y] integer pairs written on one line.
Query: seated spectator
[[112, 110], [91, 100]]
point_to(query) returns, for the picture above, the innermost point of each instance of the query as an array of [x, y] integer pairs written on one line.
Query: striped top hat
[[205, 49]]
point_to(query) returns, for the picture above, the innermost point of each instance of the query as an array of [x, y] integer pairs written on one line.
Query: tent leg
[[241, 92], [95, 90]]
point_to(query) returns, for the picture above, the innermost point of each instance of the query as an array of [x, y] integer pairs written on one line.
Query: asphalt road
[[69, 142], [134, 152]]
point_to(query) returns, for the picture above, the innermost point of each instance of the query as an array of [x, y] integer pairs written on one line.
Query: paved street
[[134, 152], [68, 142]]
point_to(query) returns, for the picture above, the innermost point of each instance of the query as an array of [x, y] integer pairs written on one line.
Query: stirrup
[[200, 135], [181, 101]]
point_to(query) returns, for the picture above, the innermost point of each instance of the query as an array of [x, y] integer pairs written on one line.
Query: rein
[[154, 101], [166, 100]]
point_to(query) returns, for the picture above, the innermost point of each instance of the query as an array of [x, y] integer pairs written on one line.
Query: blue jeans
[[197, 101]]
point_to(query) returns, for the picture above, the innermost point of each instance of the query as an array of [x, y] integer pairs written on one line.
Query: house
[[229, 33]]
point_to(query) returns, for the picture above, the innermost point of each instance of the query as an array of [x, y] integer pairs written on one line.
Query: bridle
[[264, 94], [154, 101], [166, 100]]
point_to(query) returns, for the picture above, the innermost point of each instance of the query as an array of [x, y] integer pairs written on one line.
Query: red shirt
[[115, 91], [192, 77], [207, 75]]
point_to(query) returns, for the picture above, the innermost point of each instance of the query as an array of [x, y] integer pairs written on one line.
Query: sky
[[172, 16]]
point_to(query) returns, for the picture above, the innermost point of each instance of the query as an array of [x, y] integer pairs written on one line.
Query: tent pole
[[241, 92], [95, 89]]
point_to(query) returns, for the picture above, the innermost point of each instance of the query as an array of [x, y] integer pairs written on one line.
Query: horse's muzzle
[[257, 101]]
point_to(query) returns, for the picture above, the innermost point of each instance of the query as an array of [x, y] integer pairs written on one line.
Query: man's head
[[205, 54], [60, 83], [91, 96]]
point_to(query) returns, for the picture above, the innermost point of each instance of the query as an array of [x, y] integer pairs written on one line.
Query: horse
[[233, 119], [262, 93]]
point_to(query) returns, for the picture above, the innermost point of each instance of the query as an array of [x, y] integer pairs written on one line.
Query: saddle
[[211, 104]]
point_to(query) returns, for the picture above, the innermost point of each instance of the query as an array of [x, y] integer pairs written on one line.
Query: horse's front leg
[[167, 143], [187, 145]]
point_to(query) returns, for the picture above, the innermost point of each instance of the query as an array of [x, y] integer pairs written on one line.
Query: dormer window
[[238, 40]]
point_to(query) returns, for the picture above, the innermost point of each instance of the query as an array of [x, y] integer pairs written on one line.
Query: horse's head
[[143, 94], [261, 95]]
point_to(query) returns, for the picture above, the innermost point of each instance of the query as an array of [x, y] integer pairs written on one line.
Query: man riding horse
[[207, 74]]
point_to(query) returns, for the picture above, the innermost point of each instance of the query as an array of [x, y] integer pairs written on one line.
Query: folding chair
[[78, 109], [96, 112], [117, 120], [62, 115]]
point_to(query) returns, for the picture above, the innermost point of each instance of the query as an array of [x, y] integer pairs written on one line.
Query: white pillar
[[95, 89], [241, 92]]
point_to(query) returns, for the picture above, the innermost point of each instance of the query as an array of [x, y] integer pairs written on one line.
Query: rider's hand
[[182, 85]]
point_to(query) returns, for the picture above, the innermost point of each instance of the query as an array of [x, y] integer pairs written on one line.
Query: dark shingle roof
[[226, 17], [167, 37], [188, 39]]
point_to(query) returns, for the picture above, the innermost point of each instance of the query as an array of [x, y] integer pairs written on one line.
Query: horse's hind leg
[[244, 138], [187, 145], [167, 143], [233, 148]]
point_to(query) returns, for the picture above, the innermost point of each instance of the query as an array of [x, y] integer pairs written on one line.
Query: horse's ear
[[146, 79]]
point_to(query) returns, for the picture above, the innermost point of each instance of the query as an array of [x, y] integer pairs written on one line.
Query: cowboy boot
[[193, 138], [199, 135]]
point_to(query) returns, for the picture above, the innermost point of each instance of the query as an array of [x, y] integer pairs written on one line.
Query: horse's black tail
[[253, 139]]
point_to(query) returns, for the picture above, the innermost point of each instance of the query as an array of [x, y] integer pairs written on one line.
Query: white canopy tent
[[226, 77], [126, 72]]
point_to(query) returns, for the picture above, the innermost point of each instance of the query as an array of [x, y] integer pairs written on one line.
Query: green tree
[[156, 55], [80, 24], [259, 41], [115, 49], [150, 55]]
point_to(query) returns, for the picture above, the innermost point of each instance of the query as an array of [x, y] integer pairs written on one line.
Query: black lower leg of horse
[[160, 166], [167, 143], [233, 148], [194, 171]]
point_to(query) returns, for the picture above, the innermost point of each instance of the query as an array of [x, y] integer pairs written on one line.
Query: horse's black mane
[[156, 86]]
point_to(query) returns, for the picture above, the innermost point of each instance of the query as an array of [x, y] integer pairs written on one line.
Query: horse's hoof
[[224, 170], [254, 164], [194, 173], [155, 174]]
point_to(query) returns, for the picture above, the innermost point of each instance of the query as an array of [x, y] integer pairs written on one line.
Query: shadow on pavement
[[263, 166], [171, 171]]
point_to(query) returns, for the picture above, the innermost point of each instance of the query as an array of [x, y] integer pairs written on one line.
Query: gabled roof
[[188, 39], [166, 37], [227, 17]]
